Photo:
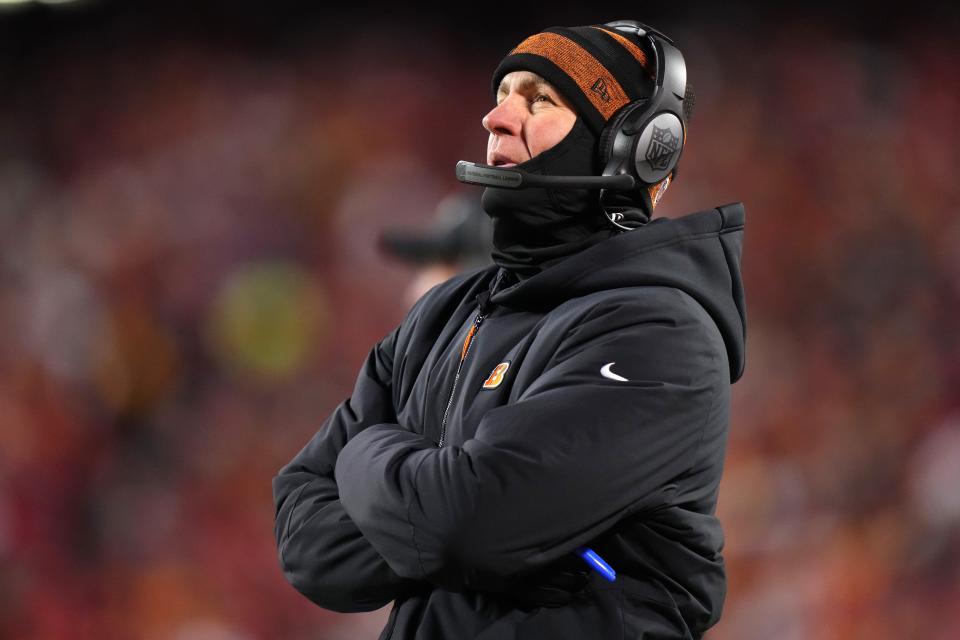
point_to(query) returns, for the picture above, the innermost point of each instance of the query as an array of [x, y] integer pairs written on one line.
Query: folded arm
[[322, 552], [573, 455]]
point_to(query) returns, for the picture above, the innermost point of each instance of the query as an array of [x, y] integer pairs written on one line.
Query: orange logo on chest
[[496, 376]]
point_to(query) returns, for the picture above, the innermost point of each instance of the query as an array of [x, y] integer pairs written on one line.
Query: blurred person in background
[[458, 239], [489, 436]]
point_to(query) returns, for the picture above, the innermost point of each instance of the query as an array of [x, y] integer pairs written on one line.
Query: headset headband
[[671, 71]]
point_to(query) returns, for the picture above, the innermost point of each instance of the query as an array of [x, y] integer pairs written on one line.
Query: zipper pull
[[469, 339]]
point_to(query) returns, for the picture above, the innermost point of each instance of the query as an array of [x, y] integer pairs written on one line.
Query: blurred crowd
[[190, 278]]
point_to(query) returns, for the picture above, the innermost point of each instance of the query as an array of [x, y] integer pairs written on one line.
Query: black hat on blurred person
[[461, 233]]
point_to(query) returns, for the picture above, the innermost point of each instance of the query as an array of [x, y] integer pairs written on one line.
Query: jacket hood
[[698, 253]]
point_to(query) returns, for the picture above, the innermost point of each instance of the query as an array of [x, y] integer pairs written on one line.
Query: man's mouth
[[501, 160]]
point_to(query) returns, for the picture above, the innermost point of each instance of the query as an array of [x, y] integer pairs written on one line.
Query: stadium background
[[189, 203]]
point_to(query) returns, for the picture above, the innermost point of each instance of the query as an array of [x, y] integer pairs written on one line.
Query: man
[[460, 238], [576, 393]]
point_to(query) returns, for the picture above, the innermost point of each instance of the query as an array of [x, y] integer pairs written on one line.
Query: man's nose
[[504, 119]]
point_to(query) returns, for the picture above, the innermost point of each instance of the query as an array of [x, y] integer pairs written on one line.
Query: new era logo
[[600, 88]]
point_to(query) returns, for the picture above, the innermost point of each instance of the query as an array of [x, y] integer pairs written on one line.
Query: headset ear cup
[[609, 133]]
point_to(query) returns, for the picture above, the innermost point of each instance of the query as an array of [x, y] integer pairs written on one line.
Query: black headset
[[645, 138]]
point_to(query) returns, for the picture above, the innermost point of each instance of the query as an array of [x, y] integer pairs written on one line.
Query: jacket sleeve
[[574, 454], [322, 552]]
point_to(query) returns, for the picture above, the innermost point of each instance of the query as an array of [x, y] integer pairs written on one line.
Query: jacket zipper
[[467, 343]]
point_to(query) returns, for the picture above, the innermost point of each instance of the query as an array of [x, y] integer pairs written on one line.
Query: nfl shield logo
[[663, 144]]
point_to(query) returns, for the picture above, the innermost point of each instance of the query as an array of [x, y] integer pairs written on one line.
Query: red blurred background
[[189, 204]]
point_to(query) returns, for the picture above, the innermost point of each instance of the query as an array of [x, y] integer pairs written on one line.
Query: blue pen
[[597, 563]]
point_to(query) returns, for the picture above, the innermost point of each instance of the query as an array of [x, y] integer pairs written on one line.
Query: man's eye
[[542, 96]]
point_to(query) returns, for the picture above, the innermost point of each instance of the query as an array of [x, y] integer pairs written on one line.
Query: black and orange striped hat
[[596, 67]]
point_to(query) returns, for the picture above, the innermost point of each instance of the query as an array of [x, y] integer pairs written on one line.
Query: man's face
[[530, 117]]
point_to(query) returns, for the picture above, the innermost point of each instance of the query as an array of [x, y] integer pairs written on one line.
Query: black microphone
[[487, 176]]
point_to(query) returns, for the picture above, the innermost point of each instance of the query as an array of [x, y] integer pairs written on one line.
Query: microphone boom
[[487, 176]]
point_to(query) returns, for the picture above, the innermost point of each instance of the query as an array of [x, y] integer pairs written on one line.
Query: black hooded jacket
[[504, 424]]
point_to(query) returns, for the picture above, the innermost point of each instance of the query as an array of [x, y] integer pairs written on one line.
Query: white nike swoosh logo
[[606, 373]]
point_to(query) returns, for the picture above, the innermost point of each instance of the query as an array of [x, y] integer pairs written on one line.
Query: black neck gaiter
[[536, 228]]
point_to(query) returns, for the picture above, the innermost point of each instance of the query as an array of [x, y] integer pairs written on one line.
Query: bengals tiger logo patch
[[496, 376]]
